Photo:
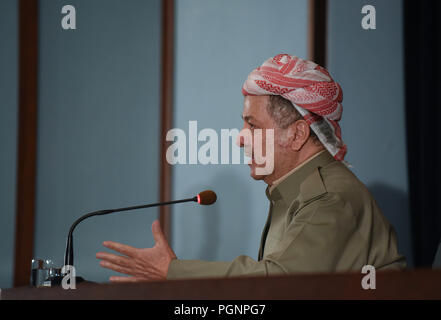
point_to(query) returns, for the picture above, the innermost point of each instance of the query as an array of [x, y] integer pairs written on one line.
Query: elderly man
[[321, 217]]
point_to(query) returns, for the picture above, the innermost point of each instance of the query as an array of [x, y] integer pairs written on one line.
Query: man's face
[[255, 116]]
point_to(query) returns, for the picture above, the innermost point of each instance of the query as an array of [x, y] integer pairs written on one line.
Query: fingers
[[148, 263], [113, 258], [158, 235], [116, 262], [115, 267], [121, 248]]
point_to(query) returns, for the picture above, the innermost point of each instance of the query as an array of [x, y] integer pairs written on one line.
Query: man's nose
[[240, 140]]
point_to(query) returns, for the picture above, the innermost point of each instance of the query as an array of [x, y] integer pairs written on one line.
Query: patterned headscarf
[[310, 89]]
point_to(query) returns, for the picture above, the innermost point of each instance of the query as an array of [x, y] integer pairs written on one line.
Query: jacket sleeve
[[310, 243], [323, 236], [241, 266]]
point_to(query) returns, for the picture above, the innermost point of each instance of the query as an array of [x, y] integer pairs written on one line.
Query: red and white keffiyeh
[[310, 89]]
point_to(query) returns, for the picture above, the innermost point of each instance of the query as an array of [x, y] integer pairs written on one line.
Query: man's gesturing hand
[[140, 264]]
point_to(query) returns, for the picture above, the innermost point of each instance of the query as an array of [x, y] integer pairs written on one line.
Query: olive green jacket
[[321, 219]]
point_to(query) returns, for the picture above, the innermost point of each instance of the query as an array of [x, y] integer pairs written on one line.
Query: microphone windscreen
[[207, 197]]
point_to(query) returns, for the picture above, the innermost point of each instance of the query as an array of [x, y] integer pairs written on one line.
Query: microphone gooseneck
[[204, 198]]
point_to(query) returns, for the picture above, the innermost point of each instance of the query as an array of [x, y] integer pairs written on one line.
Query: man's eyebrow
[[246, 118]]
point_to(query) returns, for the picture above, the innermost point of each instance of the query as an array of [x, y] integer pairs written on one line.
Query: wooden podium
[[417, 284]]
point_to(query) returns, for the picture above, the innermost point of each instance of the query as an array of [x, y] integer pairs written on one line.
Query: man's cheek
[[264, 147]]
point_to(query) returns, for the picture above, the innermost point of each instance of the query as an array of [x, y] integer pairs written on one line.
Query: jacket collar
[[305, 182]]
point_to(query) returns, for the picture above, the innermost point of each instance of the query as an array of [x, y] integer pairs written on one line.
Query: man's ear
[[300, 132]]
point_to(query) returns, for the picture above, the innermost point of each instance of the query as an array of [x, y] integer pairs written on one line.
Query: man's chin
[[254, 175]]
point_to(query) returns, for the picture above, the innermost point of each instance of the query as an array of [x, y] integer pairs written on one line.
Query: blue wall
[[98, 136], [217, 44], [8, 135], [369, 65]]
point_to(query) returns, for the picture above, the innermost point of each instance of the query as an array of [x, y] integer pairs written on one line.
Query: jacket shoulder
[[338, 179], [345, 202], [334, 178]]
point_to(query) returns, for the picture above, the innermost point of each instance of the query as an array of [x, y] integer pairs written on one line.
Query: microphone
[[206, 197]]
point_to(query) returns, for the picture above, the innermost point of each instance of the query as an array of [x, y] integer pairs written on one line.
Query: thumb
[[158, 235]]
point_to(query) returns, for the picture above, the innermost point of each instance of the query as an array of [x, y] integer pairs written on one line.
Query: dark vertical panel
[[27, 140], [423, 108], [166, 110], [317, 31]]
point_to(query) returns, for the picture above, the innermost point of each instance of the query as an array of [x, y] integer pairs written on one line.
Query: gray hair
[[284, 113]]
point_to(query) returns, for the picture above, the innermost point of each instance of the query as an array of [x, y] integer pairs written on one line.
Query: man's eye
[[251, 126]]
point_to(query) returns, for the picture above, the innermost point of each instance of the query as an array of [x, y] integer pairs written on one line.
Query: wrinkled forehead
[[256, 107], [255, 104]]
